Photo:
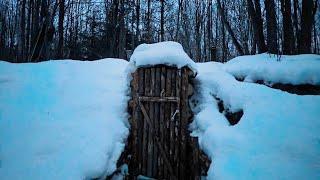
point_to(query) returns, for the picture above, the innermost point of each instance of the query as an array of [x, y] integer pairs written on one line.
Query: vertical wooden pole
[[167, 116], [183, 125], [145, 132], [140, 122], [172, 118], [151, 145], [156, 163], [177, 125], [146, 129], [134, 125], [162, 119]]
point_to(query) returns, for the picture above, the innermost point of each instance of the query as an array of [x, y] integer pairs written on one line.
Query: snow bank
[[299, 69], [62, 119], [67, 120], [167, 53], [278, 135]]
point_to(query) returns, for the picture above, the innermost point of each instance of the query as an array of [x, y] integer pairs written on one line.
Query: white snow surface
[[278, 136], [62, 119], [67, 119], [168, 53], [295, 69]]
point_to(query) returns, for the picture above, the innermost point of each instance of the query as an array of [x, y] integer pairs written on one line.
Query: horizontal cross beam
[[159, 99]]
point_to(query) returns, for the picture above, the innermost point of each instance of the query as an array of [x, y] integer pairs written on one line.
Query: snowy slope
[[61, 119], [278, 137], [298, 69], [66, 119]]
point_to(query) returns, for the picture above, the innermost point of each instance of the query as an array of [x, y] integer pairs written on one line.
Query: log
[[148, 156], [177, 125], [162, 119], [172, 116], [156, 157], [153, 157], [139, 120], [159, 99]]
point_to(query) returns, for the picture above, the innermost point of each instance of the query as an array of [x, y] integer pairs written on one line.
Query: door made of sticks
[[160, 144]]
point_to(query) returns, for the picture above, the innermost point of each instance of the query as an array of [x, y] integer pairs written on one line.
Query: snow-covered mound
[[62, 119], [298, 69], [278, 134], [167, 53], [67, 119]]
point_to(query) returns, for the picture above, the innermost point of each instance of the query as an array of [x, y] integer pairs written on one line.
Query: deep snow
[[294, 69], [278, 136], [67, 119], [168, 53], [62, 119]]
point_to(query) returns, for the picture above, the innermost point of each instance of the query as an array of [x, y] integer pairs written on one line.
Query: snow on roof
[[167, 53], [298, 69]]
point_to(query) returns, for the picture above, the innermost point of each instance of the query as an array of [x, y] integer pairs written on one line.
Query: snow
[[168, 53], [62, 119], [298, 69], [67, 119], [278, 136]]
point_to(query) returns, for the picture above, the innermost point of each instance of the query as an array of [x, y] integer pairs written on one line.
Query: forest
[[159, 89], [209, 30]]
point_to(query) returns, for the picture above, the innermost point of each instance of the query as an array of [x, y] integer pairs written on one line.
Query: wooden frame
[[160, 145]]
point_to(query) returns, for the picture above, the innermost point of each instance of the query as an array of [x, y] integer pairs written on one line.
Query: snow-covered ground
[[297, 69], [278, 136], [67, 119], [62, 119]]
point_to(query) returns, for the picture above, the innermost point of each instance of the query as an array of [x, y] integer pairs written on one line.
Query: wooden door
[[160, 145]]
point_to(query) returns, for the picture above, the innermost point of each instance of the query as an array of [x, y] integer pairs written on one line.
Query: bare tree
[[271, 26], [307, 17], [257, 23], [288, 35], [60, 29], [228, 27], [162, 2]]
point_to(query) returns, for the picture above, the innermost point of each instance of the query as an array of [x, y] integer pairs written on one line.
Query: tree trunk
[[307, 17], [295, 23], [257, 24], [271, 26], [209, 27], [260, 26], [60, 29], [2, 36], [138, 20], [149, 22], [28, 33], [198, 33], [21, 48], [162, 20], [227, 26], [122, 33], [315, 37], [178, 19], [288, 35]]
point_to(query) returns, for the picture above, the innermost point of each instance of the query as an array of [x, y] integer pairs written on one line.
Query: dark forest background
[[209, 30]]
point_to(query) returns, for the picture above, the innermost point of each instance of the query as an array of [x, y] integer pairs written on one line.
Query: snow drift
[[278, 134], [298, 69], [67, 119], [62, 119]]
